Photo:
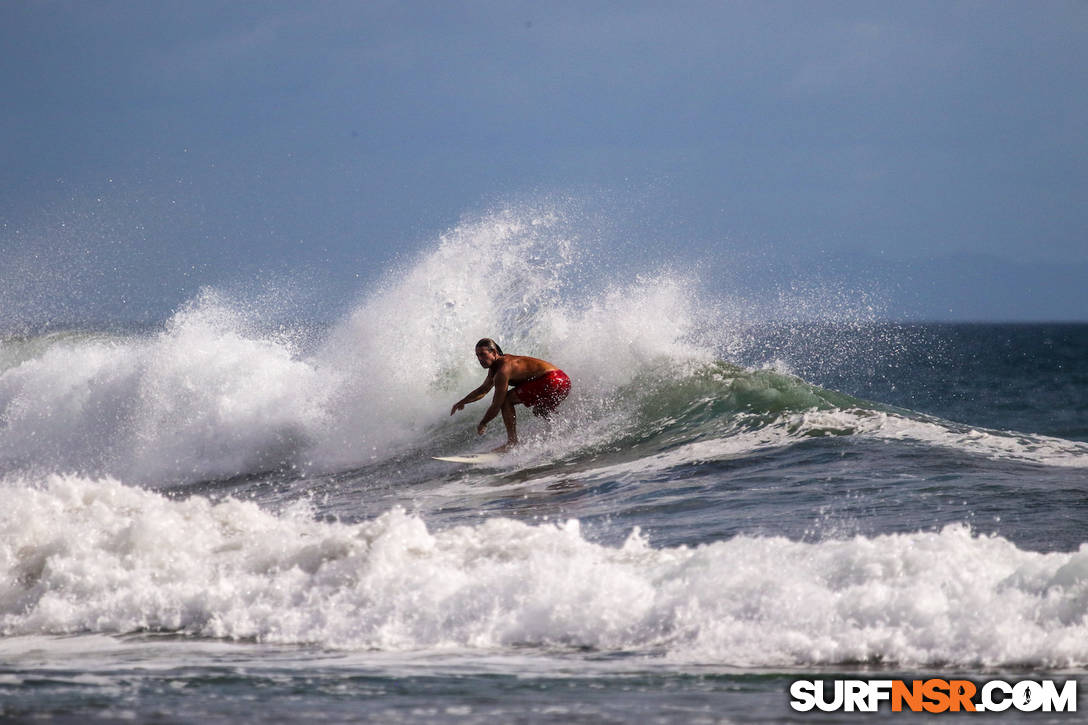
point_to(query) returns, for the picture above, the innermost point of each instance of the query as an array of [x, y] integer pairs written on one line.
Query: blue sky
[[933, 151]]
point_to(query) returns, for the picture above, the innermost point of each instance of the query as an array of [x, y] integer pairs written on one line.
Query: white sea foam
[[99, 557], [997, 445]]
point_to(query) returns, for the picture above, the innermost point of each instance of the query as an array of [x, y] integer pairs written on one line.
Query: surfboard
[[474, 458]]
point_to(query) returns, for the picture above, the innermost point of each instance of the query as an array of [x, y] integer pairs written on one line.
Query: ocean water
[[228, 518]]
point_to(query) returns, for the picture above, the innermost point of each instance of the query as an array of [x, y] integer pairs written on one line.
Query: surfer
[[536, 384]]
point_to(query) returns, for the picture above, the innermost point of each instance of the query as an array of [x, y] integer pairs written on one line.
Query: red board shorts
[[544, 392]]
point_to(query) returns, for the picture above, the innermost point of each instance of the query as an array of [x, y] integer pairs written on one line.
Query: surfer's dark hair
[[490, 345]]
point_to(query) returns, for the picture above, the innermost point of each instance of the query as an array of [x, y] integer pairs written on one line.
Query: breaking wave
[[83, 556]]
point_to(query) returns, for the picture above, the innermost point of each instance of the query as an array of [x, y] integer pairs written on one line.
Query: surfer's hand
[[456, 407], [481, 428]]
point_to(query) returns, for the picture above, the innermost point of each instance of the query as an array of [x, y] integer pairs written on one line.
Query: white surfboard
[[474, 458]]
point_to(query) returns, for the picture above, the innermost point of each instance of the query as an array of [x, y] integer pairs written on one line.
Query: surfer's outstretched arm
[[475, 395], [501, 380]]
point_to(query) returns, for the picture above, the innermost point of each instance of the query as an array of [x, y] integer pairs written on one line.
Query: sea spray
[[200, 398], [214, 393]]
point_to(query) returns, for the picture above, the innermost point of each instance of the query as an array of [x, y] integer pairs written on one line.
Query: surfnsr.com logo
[[933, 695]]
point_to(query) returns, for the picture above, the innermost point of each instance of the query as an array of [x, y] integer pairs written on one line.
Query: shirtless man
[[534, 383]]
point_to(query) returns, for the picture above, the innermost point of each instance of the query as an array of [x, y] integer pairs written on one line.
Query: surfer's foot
[[504, 447]]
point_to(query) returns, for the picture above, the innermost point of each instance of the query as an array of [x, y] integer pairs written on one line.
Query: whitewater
[[231, 516]]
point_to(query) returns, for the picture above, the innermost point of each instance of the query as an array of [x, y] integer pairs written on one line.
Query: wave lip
[[100, 557]]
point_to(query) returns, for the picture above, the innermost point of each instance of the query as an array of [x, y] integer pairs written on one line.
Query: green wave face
[[721, 391], [670, 405]]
